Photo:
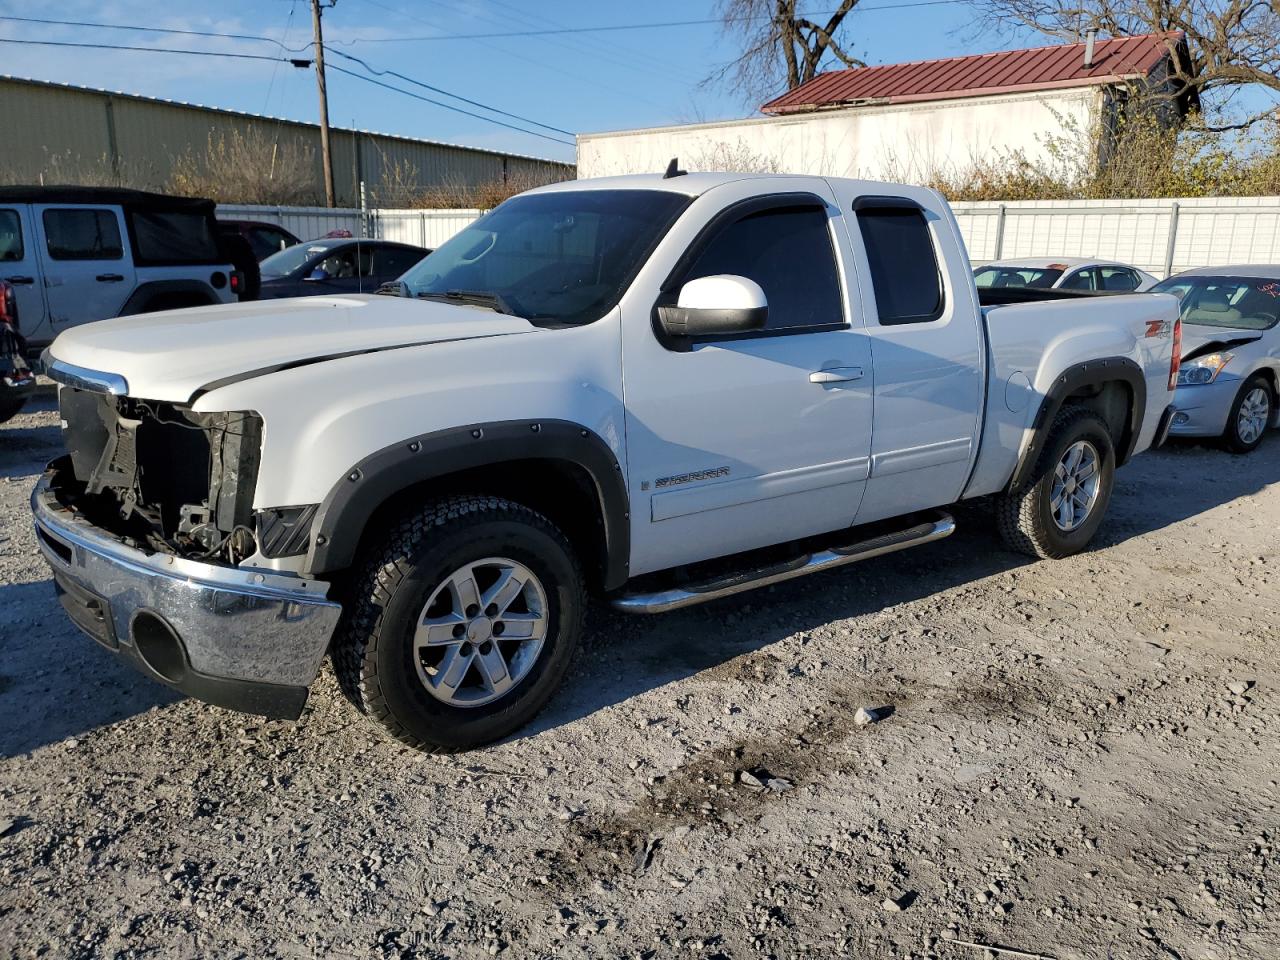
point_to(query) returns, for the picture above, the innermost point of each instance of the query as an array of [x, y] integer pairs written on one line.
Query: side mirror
[[715, 306], [319, 273]]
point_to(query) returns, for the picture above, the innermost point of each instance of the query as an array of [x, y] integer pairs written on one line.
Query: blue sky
[[580, 83]]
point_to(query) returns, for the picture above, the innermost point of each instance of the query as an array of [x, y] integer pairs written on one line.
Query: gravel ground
[[1080, 761]]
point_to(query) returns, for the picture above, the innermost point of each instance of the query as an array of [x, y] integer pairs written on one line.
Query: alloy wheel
[[480, 632], [1255, 411], [1076, 482]]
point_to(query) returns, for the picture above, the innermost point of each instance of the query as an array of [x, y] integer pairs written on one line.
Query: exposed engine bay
[[162, 476]]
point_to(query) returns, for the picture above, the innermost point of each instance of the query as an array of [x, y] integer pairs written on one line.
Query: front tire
[[1057, 514], [1250, 415], [463, 624]]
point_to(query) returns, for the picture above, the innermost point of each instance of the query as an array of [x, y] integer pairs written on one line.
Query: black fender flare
[[1088, 374], [144, 293], [350, 503]]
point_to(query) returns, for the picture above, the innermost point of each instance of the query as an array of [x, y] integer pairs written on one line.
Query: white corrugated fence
[[1161, 236]]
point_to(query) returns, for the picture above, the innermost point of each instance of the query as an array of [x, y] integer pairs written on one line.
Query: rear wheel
[[1060, 510], [463, 624], [1250, 415]]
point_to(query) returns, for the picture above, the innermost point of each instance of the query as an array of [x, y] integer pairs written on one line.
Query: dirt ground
[[1066, 769]]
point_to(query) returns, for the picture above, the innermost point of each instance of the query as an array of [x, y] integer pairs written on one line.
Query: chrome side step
[[686, 596]]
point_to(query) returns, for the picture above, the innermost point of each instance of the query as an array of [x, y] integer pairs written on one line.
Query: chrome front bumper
[[250, 640]]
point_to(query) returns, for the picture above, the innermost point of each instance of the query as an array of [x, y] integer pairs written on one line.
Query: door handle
[[109, 278], [21, 280], [836, 375]]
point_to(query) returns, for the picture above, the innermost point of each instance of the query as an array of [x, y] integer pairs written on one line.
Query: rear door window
[[11, 249], [1118, 278], [265, 241], [82, 234], [1086, 279], [905, 275], [788, 252]]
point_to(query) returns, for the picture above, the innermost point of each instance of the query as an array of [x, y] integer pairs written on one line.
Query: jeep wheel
[[463, 624], [1058, 513], [1250, 415]]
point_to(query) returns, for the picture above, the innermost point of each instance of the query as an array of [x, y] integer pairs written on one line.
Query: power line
[[278, 60], [447, 106], [612, 28], [171, 30], [295, 62], [427, 86], [189, 53]]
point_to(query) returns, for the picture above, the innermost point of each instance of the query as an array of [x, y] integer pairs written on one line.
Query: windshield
[[556, 259], [1242, 303], [1034, 277], [290, 259]]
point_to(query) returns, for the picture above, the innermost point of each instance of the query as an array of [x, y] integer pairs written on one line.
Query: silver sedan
[[1230, 374]]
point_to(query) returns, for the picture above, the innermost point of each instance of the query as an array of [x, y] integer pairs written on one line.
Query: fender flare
[[346, 509], [144, 293], [1088, 374]]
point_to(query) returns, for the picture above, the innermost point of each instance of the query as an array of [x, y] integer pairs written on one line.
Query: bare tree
[[1229, 44], [782, 48]]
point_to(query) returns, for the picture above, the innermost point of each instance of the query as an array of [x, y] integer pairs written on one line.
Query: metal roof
[[259, 116], [1039, 68]]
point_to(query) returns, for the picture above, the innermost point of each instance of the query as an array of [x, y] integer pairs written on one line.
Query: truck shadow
[[25, 446], [628, 655], [54, 681]]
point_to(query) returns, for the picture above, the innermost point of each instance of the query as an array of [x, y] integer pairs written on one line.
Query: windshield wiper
[[480, 298]]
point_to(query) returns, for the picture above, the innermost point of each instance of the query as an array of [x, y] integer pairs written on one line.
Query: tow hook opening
[[158, 646]]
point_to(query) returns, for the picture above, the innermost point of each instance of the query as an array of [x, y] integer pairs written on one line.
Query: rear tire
[[434, 668], [1250, 416], [1060, 510]]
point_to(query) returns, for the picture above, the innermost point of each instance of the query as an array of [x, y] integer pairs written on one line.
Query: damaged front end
[[161, 476]]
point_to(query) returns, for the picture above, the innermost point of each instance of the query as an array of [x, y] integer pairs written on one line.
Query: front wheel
[[1058, 513], [463, 624], [1250, 415]]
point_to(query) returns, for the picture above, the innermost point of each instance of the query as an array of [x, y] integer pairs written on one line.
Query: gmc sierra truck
[[655, 390]]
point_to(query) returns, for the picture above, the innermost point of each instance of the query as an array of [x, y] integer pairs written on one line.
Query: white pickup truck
[[658, 390]]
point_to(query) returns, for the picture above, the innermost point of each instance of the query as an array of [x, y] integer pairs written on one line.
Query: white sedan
[[1230, 374], [1064, 273]]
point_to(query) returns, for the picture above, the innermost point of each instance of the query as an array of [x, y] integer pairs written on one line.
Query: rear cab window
[[905, 274], [82, 233]]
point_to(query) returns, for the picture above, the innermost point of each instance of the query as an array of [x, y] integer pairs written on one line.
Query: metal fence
[[1161, 236]]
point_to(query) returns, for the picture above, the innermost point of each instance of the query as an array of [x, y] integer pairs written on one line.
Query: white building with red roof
[[908, 121]]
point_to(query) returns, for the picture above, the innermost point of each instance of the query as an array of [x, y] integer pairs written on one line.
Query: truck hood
[[178, 353]]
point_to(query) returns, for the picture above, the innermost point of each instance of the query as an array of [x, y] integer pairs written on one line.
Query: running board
[[689, 594]]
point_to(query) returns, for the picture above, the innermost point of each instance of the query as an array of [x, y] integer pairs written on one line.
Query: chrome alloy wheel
[[480, 632], [1255, 411], [1076, 482]]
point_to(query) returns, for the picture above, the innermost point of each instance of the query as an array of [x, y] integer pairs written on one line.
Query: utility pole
[[326, 158]]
